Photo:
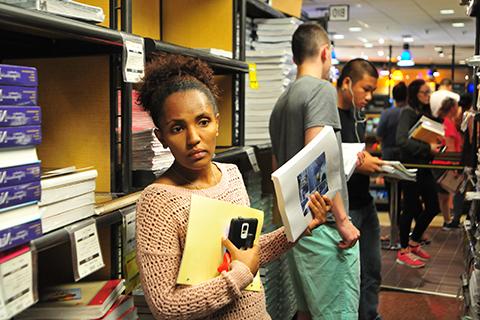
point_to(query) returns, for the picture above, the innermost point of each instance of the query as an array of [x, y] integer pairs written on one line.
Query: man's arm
[[347, 230]]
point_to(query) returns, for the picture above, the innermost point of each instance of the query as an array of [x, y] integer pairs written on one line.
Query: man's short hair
[[355, 69], [446, 82], [307, 40], [399, 92]]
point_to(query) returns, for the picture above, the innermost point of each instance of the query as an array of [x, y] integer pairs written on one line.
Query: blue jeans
[[366, 220]]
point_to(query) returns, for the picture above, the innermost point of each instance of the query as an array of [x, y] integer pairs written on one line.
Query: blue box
[[20, 174], [19, 194], [18, 75], [20, 136], [20, 234], [13, 116], [18, 96]]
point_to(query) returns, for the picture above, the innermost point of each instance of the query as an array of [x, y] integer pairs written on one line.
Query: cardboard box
[[290, 7]]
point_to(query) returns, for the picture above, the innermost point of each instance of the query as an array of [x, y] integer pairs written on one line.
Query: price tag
[[86, 252], [129, 226], [133, 58], [252, 75], [16, 283], [253, 159]]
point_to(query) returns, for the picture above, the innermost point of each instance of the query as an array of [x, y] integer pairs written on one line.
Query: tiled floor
[[441, 275]]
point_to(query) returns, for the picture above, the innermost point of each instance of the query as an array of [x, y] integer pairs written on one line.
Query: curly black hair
[[166, 74]]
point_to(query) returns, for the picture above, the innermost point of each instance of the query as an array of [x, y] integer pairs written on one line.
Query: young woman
[[419, 198], [179, 93], [449, 113]]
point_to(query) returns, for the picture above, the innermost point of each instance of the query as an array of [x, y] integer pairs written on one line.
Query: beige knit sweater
[[162, 220]]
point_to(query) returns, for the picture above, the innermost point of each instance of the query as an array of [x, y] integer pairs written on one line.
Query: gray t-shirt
[[308, 102]]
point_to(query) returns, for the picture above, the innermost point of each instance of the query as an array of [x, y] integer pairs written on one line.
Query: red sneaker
[[420, 253], [410, 260]]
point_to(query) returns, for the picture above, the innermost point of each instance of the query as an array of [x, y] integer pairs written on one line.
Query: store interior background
[[440, 37]]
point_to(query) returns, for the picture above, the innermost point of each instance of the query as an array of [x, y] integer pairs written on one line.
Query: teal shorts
[[326, 279]]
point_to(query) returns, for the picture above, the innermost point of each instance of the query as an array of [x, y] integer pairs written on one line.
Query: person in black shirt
[[420, 197], [355, 88]]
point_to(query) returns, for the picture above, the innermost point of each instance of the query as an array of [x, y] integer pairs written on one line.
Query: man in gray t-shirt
[[325, 266]]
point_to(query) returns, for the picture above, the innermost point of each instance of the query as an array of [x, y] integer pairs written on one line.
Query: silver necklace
[[191, 182]]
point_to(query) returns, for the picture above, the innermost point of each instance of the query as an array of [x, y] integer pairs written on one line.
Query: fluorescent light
[[368, 45], [338, 36], [441, 54], [462, 62], [407, 39], [438, 49], [436, 74], [380, 53], [362, 39], [447, 11], [381, 41], [354, 29], [458, 24]]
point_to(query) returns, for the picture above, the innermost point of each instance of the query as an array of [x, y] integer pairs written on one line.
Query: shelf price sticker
[[17, 282], [133, 58], [253, 159], [86, 253], [129, 226], [252, 75]]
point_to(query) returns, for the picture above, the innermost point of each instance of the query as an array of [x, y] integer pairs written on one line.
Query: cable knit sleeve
[[273, 244], [159, 253]]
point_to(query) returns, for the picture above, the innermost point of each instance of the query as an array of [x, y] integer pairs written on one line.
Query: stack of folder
[[20, 132], [272, 55]]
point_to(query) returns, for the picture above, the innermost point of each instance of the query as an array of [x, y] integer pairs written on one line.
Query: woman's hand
[[319, 206], [249, 257]]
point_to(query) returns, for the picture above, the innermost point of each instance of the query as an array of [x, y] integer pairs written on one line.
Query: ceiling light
[[447, 11], [362, 39], [363, 24], [354, 29], [407, 39], [380, 53], [338, 36], [467, 77], [458, 24], [368, 45], [438, 49], [381, 41], [406, 57], [436, 74], [462, 62], [441, 54]]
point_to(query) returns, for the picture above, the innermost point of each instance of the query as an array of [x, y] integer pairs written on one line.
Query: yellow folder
[[208, 222]]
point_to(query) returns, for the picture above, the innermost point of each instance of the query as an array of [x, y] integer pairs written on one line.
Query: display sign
[[339, 12]]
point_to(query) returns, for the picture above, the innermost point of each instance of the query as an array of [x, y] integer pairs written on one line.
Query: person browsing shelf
[[355, 87], [179, 93], [420, 197]]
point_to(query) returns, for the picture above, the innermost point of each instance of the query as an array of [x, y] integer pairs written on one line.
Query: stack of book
[[140, 303], [148, 153], [275, 70], [83, 300], [68, 195], [65, 8], [20, 132]]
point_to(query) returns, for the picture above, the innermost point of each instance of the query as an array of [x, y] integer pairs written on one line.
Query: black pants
[[420, 200]]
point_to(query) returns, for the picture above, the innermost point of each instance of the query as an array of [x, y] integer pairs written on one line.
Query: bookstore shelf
[[220, 65], [52, 35], [60, 236], [258, 9]]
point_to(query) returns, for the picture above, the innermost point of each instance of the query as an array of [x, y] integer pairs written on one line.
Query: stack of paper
[[141, 119], [148, 153], [396, 170], [275, 70], [67, 197]]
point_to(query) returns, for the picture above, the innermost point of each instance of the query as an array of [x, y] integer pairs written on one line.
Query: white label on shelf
[[87, 250], [16, 285], [129, 225], [253, 159], [338, 13], [133, 58]]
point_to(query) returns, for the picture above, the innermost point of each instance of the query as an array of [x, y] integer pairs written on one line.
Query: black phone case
[[244, 241]]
